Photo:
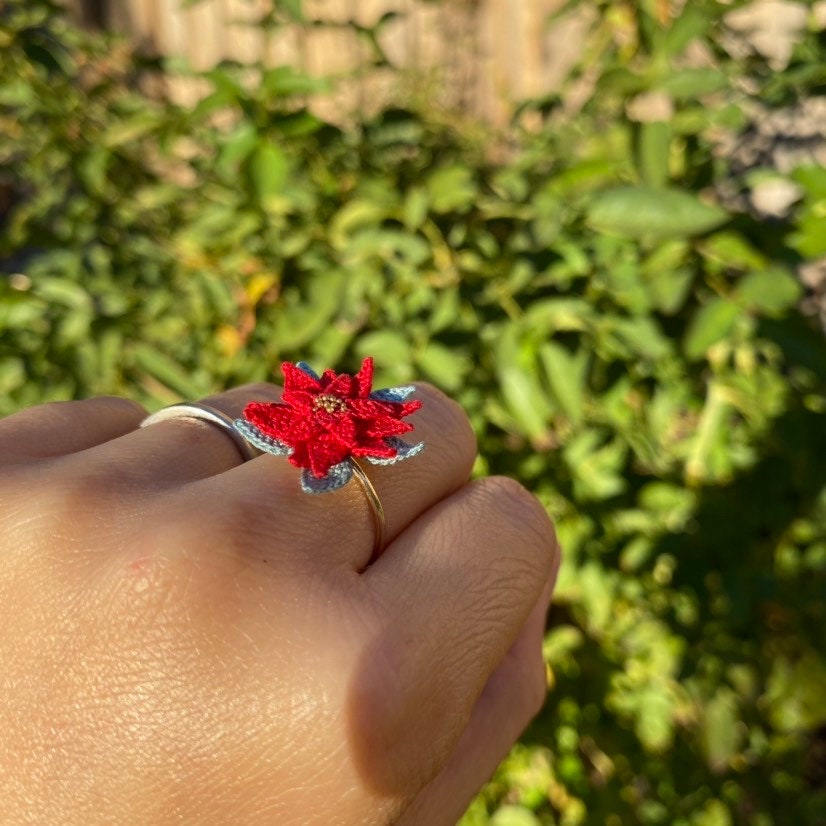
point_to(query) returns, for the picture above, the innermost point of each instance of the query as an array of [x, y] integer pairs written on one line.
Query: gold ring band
[[376, 507]]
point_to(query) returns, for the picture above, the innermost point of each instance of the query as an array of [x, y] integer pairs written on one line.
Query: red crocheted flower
[[323, 421]]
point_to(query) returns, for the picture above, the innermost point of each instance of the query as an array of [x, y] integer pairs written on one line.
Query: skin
[[191, 639]]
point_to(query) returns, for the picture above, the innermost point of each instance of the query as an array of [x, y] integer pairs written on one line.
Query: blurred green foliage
[[625, 345]]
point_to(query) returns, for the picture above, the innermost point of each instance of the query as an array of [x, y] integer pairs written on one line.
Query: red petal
[[326, 451], [383, 426], [343, 386], [327, 377], [409, 407], [279, 421], [300, 457], [300, 399], [369, 408], [296, 379], [374, 447], [364, 378], [339, 425]]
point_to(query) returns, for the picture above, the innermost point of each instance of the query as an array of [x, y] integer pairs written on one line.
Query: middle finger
[[263, 498]]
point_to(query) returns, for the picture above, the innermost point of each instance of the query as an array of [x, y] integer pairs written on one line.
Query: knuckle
[[49, 414], [453, 422], [521, 512], [117, 405], [59, 517], [68, 503], [240, 527], [519, 505], [258, 388]]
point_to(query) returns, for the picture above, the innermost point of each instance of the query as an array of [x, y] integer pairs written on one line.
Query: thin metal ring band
[[379, 523], [195, 410]]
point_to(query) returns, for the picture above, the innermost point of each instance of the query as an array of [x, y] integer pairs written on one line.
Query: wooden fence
[[478, 55]]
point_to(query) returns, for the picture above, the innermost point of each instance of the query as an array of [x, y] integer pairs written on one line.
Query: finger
[[168, 453], [457, 588], [59, 428], [512, 697], [263, 502]]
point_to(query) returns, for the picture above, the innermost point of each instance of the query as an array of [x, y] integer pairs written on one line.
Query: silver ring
[[195, 410]]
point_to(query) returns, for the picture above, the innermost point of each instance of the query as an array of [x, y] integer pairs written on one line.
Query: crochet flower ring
[[324, 423]]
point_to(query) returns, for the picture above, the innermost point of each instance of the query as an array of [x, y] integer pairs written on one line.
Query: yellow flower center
[[329, 404]]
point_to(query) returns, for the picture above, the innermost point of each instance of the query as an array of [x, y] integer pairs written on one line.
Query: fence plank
[[479, 55]]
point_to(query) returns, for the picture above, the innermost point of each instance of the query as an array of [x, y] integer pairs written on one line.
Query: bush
[[617, 317]]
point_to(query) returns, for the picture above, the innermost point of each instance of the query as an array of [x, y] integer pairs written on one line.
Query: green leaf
[[692, 23], [561, 641], [794, 693], [414, 211], [653, 151], [388, 347], [294, 8], [596, 467], [705, 462], [597, 587], [714, 813], [64, 292], [286, 81], [731, 250], [12, 374], [135, 126], [452, 189], [443, 366], [670, 288], [809, 239], [685, 84], [517, 373], [567, 375], [655, 723], [354, 215], [666, 499], [395, 247], [167, 371], [237, 147], [296, 124], [648, 212], [446, 311], [770, 291], [92, 169], [813, 180], [722, 731], [711, 323], [268, 169], [300, 321], [557, 314], [512, 815], [664, 276], [579, 177], [636, 553], [644, 336]]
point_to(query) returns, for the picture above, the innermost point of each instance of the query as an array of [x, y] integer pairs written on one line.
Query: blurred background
[[601, 226]]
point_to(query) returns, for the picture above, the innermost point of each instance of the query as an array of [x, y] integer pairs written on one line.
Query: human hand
[[190, 639]]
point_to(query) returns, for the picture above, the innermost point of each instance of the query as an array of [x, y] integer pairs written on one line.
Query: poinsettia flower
[[324, 422]]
